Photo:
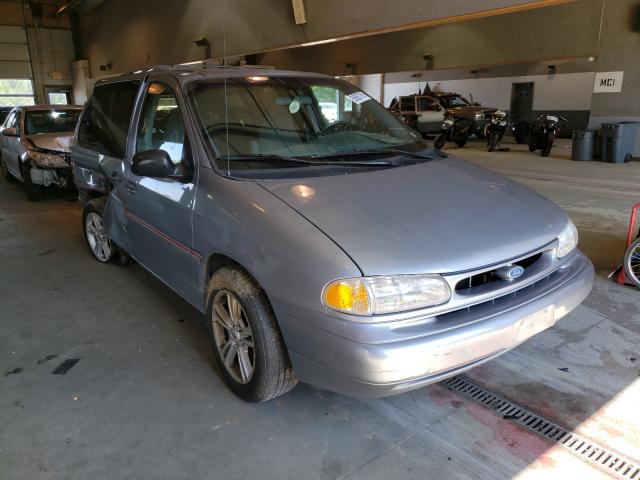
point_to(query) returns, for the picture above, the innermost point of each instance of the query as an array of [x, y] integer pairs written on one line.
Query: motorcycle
[[495, 129], [543, 132], [454, 130]]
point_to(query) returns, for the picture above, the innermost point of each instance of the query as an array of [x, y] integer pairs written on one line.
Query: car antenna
[[224, 66]]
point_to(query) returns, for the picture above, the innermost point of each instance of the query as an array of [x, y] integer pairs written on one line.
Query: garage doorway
[[522, 102]]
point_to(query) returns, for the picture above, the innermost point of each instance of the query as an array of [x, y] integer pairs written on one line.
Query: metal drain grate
[[603, 458]]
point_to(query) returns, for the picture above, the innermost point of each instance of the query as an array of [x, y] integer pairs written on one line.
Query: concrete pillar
[[80, 79]]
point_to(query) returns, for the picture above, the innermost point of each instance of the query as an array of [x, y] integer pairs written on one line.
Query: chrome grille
[[465, 285]]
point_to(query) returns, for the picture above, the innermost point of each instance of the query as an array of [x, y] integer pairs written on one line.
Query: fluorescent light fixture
[[192, 63], [319, 42]]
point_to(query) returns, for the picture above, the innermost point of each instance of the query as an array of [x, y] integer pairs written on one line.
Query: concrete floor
[[145, 399]]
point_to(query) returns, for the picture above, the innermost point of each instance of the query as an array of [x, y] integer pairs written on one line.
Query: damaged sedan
[[34, 146]]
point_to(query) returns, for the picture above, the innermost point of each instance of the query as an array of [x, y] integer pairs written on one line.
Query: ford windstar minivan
[[323, 240]]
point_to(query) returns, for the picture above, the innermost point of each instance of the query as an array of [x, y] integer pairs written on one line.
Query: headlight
[[385, 294], [567, 240], [447, 122], [479, 116]]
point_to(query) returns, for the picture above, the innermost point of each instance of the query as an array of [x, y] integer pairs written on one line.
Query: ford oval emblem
[[510, 272]]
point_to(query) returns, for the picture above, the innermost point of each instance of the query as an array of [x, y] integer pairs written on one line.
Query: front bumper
[[389, 358]]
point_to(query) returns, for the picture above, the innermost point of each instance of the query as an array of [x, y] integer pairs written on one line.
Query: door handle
[[131, 187]]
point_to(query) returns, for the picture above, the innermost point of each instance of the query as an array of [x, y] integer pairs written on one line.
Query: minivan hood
[[442, 216], [58, 142]]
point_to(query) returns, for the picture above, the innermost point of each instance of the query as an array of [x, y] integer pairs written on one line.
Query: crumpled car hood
[[442, 216], [58, 142]]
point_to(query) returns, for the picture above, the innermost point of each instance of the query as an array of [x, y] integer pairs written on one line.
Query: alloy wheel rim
[[233, 336], [633, 263], [98, 241]]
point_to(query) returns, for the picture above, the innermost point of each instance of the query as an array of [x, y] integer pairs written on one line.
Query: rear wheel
[[632, 263], [492, 141], [461, 142], [245, 337], [35, 193], [100, 246], [548, 146], [439, 142]]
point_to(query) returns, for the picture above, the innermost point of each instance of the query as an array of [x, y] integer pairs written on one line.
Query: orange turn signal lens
[[348, 295]]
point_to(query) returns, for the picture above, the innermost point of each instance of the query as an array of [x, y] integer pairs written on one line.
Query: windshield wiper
[[382, 151], [267, 157]]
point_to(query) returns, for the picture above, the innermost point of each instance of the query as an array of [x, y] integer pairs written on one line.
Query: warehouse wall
[[39, 48], [131, 35]]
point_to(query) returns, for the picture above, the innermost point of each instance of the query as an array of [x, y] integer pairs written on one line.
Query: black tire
[[5, 172], [272, 373], [548, 146], [439, 142], [632, 263], [35, 193], [492, 141], [532, 147], [461, 142]]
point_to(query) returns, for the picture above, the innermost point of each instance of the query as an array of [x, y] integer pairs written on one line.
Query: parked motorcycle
[[543, 133], [454, 130], [495, 129]]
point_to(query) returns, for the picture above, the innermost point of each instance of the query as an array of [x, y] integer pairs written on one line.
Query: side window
[[427, 104], [11, 120], [408, 103], [105, 120], [161, 126]]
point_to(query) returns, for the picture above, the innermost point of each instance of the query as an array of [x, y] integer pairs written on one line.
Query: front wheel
[[35, 193], [439, 142], [5, 171], [548, 146], [632, 263], [245, 337]]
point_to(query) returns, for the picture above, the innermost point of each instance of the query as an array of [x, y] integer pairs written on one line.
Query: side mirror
[[153, 163], [10, 132]]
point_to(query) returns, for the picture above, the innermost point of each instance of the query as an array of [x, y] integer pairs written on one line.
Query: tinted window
[[427, 104], [50, 121], [105, 120], [161, 126], [407, 103]]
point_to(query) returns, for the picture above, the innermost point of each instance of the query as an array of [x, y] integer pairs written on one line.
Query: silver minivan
[[322, 239]]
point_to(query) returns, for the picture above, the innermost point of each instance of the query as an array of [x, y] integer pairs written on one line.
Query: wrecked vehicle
[[323, 243], [426, 112], [35, 144]]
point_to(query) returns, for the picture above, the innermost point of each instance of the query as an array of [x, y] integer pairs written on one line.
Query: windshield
[[296, 117], [50, 121], [454, 101]]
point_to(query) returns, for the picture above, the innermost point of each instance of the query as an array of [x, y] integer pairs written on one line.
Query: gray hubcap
[[98, 242], [233, 337]]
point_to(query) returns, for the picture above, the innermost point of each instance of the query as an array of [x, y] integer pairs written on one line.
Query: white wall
[[569, 91], [371, 84]]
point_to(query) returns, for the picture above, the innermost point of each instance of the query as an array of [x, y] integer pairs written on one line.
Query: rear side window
[[106, 118]]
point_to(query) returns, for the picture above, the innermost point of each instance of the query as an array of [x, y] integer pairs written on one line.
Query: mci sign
[[608, 82]]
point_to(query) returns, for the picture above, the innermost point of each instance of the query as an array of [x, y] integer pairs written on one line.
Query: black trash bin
[[583, 142], [618, 140]]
